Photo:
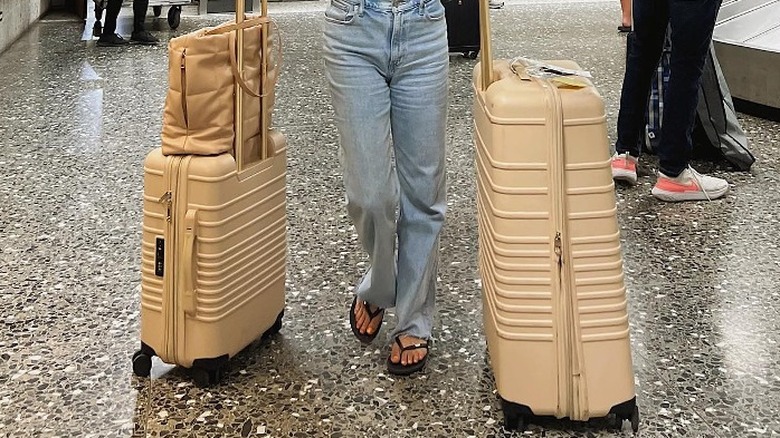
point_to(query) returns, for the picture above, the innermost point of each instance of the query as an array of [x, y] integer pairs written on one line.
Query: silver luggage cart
[[174, 9]]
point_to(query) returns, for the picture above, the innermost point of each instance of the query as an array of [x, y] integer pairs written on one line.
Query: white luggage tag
[[559, 76]]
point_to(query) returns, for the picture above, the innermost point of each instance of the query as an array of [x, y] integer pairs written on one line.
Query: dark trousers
[[112, 12], [692, 22]]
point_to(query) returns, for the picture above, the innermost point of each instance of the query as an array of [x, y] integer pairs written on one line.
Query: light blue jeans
[[387, 64]]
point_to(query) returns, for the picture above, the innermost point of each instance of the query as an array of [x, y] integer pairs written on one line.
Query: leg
[[692, 24], [625, 7], [643, 53], [140, 8], [140, 34], [98, 11], [355, 67], [112, 12], [108, 35], [419, 121]]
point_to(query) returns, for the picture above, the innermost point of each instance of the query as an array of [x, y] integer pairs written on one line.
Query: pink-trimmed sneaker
[[624, 168], [690, 185]]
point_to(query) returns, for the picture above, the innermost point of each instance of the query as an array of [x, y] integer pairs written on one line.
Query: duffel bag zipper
[[184, 87]]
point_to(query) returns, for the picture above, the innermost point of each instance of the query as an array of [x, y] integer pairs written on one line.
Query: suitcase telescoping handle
[[239, 96], [486, 49]]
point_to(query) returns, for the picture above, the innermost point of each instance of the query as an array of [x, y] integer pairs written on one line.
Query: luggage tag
[[521, 72], [569, 82], [559, 76]]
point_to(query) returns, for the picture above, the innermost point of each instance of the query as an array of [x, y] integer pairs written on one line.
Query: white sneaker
[[624, 168], [496, 4], [690, 185]]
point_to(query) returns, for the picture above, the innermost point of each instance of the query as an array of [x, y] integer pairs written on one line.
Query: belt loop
[[361, 7], [421, 7]]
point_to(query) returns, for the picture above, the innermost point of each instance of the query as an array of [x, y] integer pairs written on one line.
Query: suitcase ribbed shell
[[552, 274]]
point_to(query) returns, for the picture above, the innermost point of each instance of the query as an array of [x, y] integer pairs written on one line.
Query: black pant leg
[[692, 24], [139, 14], [112, 12], [645, 45]]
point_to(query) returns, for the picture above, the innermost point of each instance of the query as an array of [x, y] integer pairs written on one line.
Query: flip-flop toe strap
[[410, 347], [372, 314]]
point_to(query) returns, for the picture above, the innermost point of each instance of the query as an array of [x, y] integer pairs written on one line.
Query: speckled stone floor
[[75, 124]]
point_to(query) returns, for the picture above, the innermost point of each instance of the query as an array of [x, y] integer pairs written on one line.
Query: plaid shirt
[[655, 106]]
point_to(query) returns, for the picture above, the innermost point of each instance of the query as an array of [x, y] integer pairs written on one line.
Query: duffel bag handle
[[237, 64], [264, 21], [238, 74], [243, 24]]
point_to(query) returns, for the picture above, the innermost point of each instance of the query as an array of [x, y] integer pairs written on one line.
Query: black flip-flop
[[365, 337], [624, 29], [399, 369]]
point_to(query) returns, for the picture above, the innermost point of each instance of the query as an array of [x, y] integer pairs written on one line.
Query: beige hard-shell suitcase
[[554, 297], [213, 251]]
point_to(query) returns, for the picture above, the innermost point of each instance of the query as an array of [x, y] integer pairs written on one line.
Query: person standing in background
[[108, 35], [692, 23]]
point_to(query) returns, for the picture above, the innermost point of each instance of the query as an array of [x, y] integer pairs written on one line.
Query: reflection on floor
[[76, 123]]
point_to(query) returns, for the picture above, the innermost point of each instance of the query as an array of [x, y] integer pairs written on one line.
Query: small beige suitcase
[[550, 261], [214, 250]]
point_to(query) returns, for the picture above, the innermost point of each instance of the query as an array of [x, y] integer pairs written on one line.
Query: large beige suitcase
[[214, 250], [550, 261]]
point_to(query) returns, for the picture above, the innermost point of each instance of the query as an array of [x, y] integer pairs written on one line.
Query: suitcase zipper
[[566, 332], [180, 209], [169, 299], [564, 403], [574, 404]]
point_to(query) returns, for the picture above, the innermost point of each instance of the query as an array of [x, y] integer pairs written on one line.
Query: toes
[[359, 323], [394, 356], [361, 318], [411, 357], [374, 324], [407, 358]]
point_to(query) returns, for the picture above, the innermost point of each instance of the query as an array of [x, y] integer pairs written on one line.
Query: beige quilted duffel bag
[[202, 77]]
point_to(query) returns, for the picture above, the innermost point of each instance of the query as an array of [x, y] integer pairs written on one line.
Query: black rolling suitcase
[[463, 26]]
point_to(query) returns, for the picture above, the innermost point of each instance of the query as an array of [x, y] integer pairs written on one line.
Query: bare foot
[[411, 356], [366, 324]]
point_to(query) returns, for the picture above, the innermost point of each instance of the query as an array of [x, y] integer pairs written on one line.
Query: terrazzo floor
[[75, 124]]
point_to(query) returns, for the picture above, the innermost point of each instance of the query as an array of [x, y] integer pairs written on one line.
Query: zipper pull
[[559, 247], [166, 199], [183, 77]]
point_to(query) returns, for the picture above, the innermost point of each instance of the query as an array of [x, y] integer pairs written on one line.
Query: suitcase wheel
[[514, 422], [634, 419], [274, 328], [515, 416], [204, 378], [142, 364], [207, 372]]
